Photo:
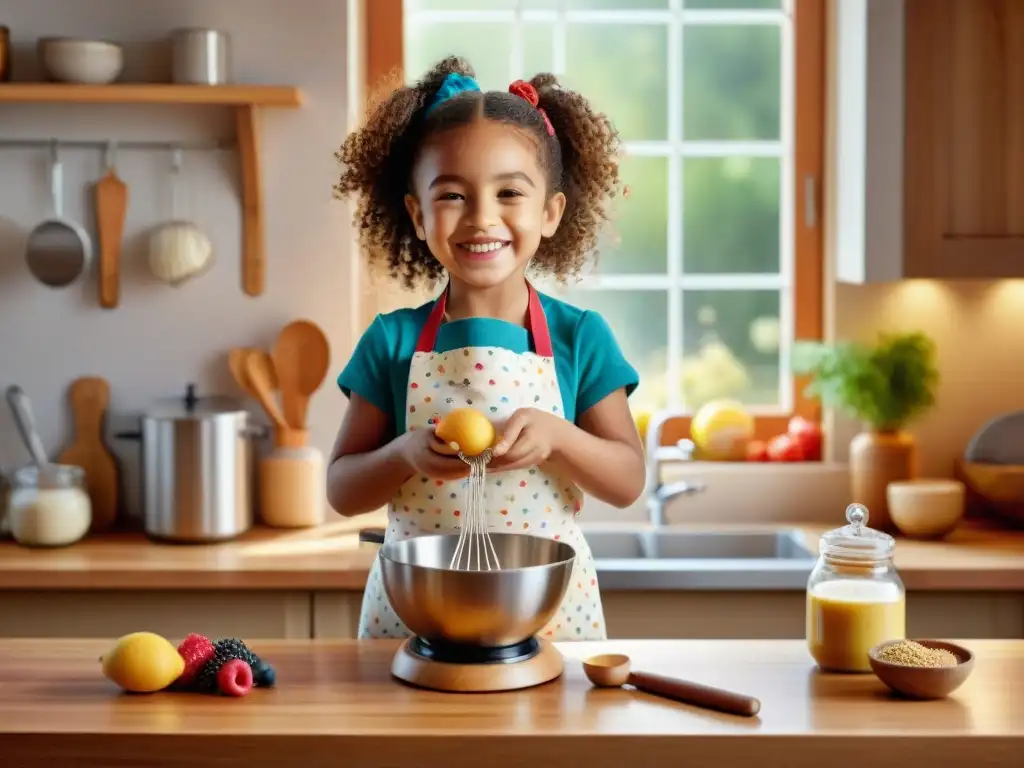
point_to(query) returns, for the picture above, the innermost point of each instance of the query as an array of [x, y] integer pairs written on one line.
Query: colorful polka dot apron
[[525, 501]]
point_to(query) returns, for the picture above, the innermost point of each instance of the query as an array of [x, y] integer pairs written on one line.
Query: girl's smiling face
[[480, 200]]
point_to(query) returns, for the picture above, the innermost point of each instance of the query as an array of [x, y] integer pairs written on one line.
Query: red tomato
[[808, 435], [785, 448], [757, 450]]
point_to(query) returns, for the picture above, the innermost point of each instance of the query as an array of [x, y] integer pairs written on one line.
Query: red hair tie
[[525, 90]]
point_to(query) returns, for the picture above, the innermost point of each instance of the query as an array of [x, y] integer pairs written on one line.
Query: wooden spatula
[[301, 359], [89, 397], [111, 205]]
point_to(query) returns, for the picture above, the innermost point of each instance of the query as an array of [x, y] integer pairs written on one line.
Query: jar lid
[[856, 540]]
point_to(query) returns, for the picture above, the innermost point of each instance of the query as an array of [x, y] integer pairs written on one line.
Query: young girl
[[472, 186]]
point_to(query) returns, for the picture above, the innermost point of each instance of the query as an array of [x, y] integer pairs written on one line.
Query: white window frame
[[675, 149]]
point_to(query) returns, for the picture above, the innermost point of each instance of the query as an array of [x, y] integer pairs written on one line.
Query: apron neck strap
[[536, 321]]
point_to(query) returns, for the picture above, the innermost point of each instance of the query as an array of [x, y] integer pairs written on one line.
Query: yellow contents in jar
[[845, 619]]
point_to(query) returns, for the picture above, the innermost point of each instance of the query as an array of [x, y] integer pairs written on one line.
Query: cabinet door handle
[[810, 202]]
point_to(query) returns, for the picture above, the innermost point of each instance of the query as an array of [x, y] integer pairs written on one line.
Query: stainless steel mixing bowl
[[479, 608]]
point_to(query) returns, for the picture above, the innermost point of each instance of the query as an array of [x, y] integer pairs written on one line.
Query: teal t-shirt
[[588, 360]]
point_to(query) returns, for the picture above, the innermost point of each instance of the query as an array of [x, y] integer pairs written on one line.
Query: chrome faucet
[[661, 494]]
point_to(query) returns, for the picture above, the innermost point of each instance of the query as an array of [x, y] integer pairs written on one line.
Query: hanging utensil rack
[[247, 102]]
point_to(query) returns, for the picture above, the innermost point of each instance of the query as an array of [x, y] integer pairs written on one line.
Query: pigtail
[[589, 147], [376, 160]]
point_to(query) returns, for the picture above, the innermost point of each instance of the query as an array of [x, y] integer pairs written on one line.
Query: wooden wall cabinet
[[926, 148]]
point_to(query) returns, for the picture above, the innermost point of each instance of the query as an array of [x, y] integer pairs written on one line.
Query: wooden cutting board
[[89, 397]]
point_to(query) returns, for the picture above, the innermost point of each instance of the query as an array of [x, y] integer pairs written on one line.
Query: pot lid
[[192, 407]]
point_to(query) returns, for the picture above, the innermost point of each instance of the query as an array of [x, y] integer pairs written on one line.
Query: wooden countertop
[[336, 703], [329, 558]]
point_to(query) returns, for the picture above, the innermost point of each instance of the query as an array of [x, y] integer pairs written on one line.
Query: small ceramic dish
[[923, 682]]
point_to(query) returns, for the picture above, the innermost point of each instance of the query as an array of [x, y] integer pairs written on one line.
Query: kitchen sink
[[666, 543], [664, 558]]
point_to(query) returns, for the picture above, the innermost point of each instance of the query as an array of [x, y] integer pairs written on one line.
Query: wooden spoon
[[89, 397], [111, 199], [302, 357], [612, 670], [237, 364], [260, 370]]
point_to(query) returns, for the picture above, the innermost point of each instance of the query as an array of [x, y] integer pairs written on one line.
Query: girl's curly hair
[[581, 161]]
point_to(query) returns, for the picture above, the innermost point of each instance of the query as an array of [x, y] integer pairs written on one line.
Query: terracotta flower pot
[[878, 458]]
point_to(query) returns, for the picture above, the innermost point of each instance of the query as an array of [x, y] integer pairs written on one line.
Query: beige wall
[[161, 338], [979, 330]]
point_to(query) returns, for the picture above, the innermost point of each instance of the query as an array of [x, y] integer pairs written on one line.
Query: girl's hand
[[531, 437], [426, 454]]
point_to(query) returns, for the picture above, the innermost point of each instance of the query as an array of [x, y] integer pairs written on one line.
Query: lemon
[[721, 430], [642, 421], [142, 662], [470, 429]]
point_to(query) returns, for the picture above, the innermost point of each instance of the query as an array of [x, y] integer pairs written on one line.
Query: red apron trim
[[536, 319]]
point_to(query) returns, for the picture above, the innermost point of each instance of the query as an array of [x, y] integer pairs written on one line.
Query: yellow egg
[[721, 430], [473, 431]]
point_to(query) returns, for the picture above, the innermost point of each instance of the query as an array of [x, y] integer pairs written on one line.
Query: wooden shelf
[[282, 96], [246, 100]]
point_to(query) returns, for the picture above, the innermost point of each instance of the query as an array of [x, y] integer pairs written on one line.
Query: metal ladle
[[612, 670], [58, 250], [22, 410]]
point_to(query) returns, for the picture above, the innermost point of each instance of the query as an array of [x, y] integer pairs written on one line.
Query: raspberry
[[234, 678], [197, 651]]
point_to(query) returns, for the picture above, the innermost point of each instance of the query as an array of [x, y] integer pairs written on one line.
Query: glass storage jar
[[855, 597], [49, 506]]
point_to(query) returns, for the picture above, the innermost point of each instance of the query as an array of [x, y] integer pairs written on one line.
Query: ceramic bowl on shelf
[[924, 508], [923, 682], [86, 62]]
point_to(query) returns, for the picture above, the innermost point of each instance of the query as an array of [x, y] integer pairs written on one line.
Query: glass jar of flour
[[49, 507]]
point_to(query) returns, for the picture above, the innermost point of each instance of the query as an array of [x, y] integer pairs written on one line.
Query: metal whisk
[[474, 550]]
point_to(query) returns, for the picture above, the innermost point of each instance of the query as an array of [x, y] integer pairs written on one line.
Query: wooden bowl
[[923, 682], [926, 509], [998, 487]]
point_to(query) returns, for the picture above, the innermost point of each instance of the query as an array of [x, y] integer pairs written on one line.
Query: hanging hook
[[110, 156]]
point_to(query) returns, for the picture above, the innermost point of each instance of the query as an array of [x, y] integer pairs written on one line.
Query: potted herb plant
[[885, 387]]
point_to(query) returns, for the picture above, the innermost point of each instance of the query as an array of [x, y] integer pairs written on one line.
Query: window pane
[[730, 347], [644, 344], [638, 242], [732, 82], [622, 69], [731, 215], [592, 5], [486, 46], [458, 5], [538, 49], [733, 4]]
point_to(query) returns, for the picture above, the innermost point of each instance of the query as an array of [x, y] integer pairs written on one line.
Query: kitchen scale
[[476, 669]]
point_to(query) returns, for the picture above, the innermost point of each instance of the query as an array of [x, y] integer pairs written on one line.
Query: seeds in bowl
[[911, 654]]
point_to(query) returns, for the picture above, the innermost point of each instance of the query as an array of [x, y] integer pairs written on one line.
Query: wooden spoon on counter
[[111, 200], [612, 670], [302, 357], [89, 397]]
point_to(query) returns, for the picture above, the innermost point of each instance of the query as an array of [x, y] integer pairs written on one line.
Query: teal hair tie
[[453, 85]]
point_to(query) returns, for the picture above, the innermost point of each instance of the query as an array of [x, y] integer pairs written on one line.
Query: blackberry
[[263, 675]]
